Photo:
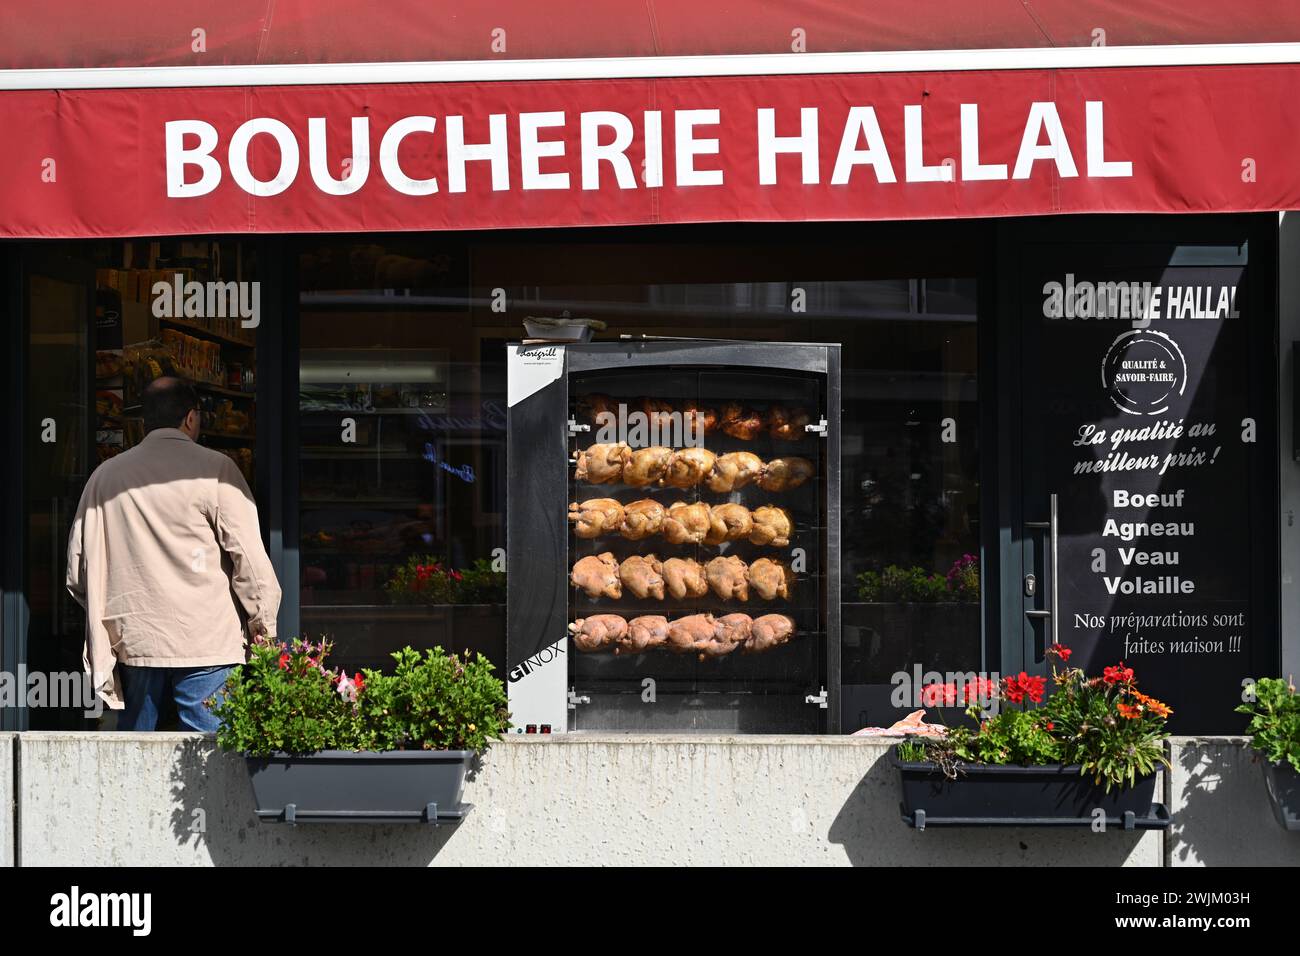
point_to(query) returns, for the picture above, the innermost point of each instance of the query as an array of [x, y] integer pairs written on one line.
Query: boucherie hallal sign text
[[531, 150], [631, 151]]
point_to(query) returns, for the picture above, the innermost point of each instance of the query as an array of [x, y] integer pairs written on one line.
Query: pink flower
[[347, 688]]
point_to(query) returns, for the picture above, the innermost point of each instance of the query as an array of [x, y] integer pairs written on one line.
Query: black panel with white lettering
[[1138, 418]]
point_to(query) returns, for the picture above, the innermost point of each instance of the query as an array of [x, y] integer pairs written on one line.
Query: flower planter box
[[339, 786], [1052, 795], [1283, 793]]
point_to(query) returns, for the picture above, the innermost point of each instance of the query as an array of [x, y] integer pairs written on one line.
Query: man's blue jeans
[[146, 688]]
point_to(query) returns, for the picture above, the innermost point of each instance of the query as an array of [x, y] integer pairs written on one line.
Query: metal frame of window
[[13, 607]]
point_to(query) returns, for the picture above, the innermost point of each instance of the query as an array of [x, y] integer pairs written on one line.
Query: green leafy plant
[[480, 584], [899, 585], [1104, 725], [1275, 721], [425, 580], [285, 700], [918, 586]]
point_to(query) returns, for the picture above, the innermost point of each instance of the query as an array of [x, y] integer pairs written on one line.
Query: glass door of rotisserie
[[698, 546]]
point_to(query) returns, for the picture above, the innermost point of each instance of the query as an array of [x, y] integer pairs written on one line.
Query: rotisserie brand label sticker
[[530, 368]]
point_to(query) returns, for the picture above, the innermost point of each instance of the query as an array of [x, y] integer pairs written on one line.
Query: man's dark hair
[[166, 401]]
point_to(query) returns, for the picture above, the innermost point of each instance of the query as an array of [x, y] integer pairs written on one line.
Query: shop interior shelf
[[204, 332], [221, 390], [1157, 818]]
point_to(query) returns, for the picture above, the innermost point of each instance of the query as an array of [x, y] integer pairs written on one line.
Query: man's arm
[[75, 579], [252, 577]]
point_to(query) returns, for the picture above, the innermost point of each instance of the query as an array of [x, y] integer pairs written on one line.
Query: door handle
[[1052, 612]]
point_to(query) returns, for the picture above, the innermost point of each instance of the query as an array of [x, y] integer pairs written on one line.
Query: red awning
[[473, 129], [92, 33]]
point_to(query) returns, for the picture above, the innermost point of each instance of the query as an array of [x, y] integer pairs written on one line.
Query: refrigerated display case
[[673, 536]]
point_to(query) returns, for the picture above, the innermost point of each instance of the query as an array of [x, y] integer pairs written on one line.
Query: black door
[[45, 627], [1147, 529]]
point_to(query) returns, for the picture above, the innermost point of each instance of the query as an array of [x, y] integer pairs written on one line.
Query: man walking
[[166, 557]]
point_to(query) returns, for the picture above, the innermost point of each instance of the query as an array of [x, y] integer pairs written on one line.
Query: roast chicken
[[659, 414], [728, 577], [786, 424], [770, 630], [598, 576], [734, 471], [688, 467], [598, 631], [728, 522], [699, 421], [645, 633], [684, 578], [642, 576], [740, 422], [731, 631], [771, 580], [645, 466], [602, 464], [686, 523], [590, 406], [596, 516], [642, 519], [772, 527], [701, 634], [688, 635], [782, 474]]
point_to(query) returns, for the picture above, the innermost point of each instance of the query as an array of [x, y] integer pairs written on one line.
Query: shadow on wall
[[1221, 812], [214, 810], [870, 829]]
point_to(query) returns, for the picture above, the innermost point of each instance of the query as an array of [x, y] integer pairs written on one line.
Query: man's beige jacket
[[164, 555]]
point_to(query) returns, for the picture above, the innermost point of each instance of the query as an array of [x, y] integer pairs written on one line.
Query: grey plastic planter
[[340, 786], [1283, 793], [1047, 796]]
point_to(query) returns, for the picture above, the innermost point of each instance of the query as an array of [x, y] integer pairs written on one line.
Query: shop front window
[[402, 455], [98, 329], [402, 435]]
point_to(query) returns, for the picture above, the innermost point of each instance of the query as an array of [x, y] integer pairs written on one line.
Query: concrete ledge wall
[[1222, 815], [171, 799], [7, 804]]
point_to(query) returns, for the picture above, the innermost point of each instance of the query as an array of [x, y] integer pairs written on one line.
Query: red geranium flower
[[936, 695], [1012, 691], [1033, 687], [284, 662], [1117, 675], [1061, 651], [980, 690], [1022, 685]]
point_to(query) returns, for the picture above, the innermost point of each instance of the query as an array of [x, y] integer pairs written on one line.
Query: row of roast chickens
[[740, 421], [681, 522], [645, 576], [616, 462], [701, 634]]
